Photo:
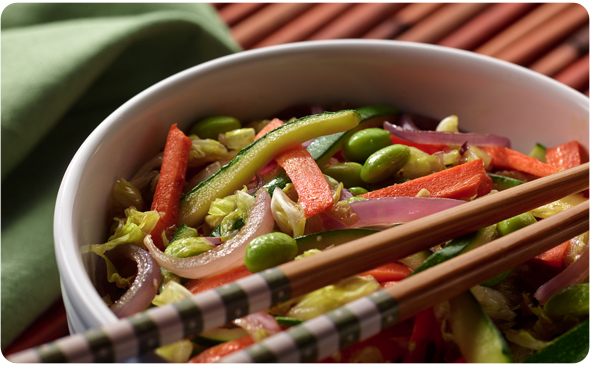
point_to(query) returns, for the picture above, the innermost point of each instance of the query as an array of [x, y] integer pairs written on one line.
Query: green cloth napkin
[[66, 67]]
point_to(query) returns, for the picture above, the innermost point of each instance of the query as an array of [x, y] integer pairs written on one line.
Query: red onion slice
[[398, 209], [225, 256], [254, 322], [576, 273], [145, 285], [448, 138]]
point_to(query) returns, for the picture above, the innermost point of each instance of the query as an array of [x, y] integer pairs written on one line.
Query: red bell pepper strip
[[457, 182], [566, 156], [273, 124], [428, 148], [505, 158], [424, 326], [215, 353], [309, 181], [553, 257], [169, 189], [392, 271], [486, 186], [198, 285]]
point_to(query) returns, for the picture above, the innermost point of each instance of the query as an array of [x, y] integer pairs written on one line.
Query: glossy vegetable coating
[[348, 173], [515, 223], [385, 163], [213, 126], [364, 143], [270, 250]]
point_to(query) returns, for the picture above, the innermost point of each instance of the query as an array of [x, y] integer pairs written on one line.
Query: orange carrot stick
[[305, 174], [457, 182], [392, 271], [505, 158], [566, 156], [273, 124], [554, 256], [169, 188], [198, 285]]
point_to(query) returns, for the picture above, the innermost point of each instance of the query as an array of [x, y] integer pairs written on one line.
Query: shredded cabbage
[[188, 246], [238, 138], [229, 210], [288, 215], [204, 151], [493, 302], [547, 210]]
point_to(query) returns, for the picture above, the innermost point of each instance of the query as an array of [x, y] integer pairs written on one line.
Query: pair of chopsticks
[[324, 335]]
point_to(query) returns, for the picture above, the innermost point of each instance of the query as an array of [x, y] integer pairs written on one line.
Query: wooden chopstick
[[575, 75], [324, 335], [236, 12], [159, 326]]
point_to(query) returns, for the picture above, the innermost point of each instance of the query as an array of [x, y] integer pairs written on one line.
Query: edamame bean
[[572, 301], [357, 190], [515, 223], [269, 250], [211, 127], [348, 173], [364, 143], [385, 163]]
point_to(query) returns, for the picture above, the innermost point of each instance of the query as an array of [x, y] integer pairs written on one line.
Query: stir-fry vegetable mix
[[229, 200]]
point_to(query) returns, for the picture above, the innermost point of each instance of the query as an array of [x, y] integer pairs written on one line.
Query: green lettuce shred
[[204, 151], [229, 211], [238, 138], [288, 215]]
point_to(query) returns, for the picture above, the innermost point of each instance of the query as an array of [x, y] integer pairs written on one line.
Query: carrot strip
[[455, 183], [428, 148], [273, 124], [507, 158], [486, 186], [169, 189], [554, 256], [392, 271], [198, 285], [313, 189], [566, 156]]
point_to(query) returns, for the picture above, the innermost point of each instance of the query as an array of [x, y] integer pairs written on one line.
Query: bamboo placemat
[[549, 38]]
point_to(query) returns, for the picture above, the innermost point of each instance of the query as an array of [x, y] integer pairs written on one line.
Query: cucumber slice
[[323, 148], [539, 152], [288, 321], [502, 182], [238, 172], [475, 333], [572, 347], [323, 240]]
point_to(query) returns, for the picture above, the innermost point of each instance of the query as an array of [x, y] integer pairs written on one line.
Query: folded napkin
[[66, 67]]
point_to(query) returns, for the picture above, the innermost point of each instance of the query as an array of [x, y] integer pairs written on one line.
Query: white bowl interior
[[488, 96]]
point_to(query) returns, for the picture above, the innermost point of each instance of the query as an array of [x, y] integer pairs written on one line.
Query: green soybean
[[357, 190], [211, 127], [348, 173], [572, 300], [385, 163], [364, 143], [269, 250], [515, 223]]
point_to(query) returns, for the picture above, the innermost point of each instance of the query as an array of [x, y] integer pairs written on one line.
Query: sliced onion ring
[[223, 257], [576, 273], [448, 138], [254, 322], [145, 285]]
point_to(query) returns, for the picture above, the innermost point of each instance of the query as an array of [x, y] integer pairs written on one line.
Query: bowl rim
[[75, 282]]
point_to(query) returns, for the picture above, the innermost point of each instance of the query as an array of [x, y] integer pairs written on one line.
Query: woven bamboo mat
[[550, 38]]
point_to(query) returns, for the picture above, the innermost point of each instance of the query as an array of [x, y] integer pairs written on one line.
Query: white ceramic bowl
[[487, 95]]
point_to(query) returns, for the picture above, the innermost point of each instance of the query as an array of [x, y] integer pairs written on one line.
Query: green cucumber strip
[[324, 147], [184, 231], [288, 321], [475, 333], [323, 240], [448, 252], [502, 182], [194, 205], [570, 347], [539, 152]]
